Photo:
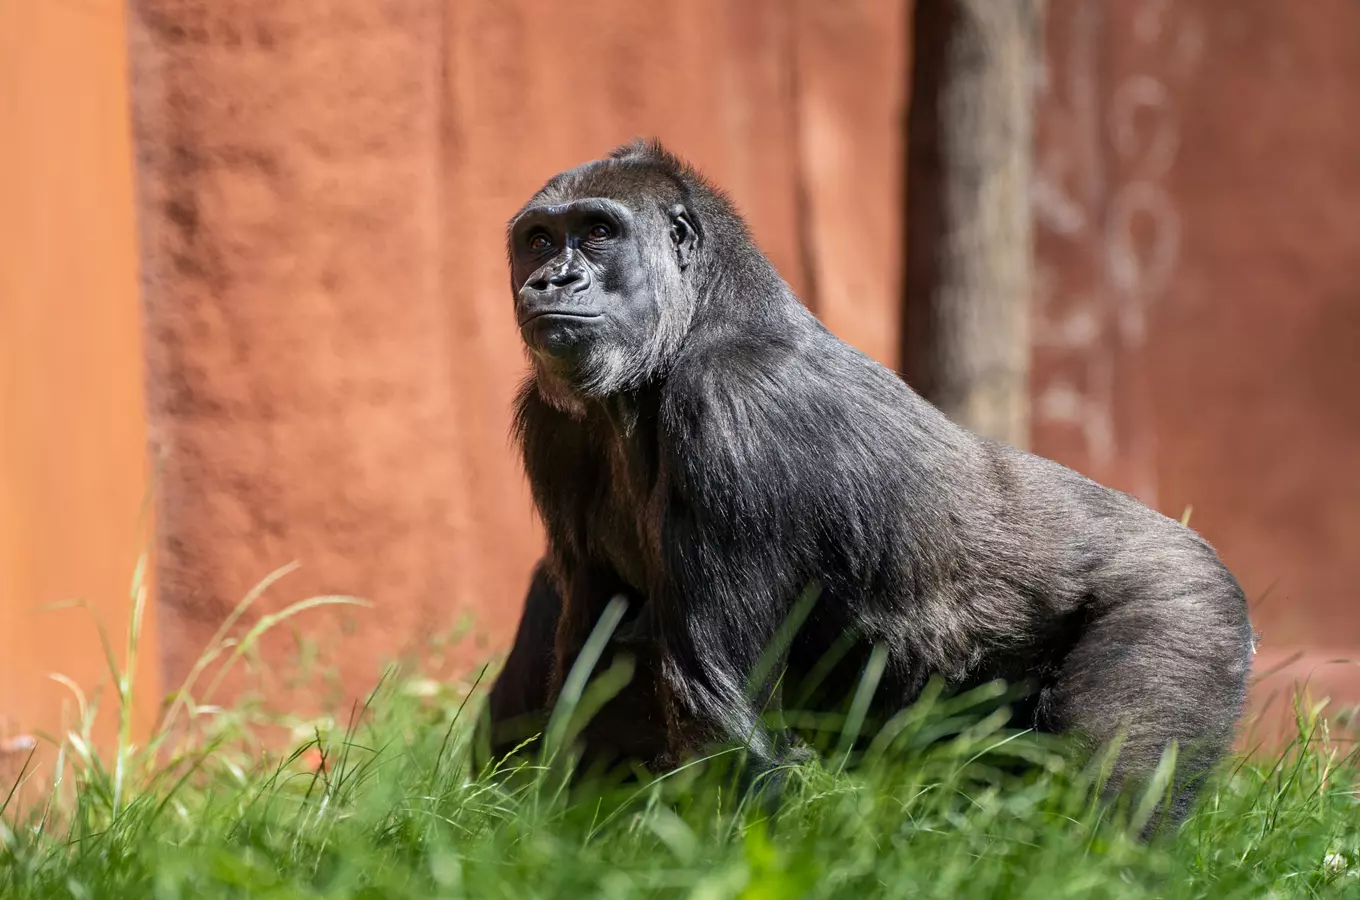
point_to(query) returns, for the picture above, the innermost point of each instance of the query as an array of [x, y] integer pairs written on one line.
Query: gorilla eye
[[539, 243], [601, 232]]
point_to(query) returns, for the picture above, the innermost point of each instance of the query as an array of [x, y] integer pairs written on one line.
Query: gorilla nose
[[563, 293], [561, 279]]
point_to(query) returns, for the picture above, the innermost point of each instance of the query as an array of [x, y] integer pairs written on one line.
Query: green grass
[[399, 811]]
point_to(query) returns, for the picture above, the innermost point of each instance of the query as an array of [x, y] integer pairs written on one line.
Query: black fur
[[708, 449], [518, 702]]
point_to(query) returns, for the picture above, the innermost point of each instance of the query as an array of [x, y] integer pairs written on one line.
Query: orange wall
[[72, 424]]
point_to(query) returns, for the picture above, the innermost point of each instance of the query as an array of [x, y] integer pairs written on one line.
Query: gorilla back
[[699, 443]]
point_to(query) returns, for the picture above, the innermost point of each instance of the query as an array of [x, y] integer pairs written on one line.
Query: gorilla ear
[[683, 234]]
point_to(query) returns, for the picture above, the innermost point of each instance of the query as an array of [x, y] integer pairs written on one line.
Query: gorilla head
[[607, 270]]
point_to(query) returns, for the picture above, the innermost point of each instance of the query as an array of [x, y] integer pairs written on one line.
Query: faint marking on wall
[[1101, 189], [1069, 197]]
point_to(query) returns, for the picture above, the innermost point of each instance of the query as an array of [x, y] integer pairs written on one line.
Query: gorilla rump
[[699, 443]]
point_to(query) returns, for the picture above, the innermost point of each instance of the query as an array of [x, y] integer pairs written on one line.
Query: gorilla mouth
[[556, 314]]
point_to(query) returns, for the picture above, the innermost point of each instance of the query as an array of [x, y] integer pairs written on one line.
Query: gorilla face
[[580, 274], [600, 289]]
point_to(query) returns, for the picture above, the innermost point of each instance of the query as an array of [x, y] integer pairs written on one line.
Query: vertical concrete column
[[301, 403], [969, 266]]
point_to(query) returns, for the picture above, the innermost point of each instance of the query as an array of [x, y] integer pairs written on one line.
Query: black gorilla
[[698, 442]]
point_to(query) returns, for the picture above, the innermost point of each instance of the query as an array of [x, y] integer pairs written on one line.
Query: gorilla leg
[[518, 703], [711, 687], [1147, 673], [628, 727]]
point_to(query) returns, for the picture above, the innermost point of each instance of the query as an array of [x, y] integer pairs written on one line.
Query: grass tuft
[[392, 806]]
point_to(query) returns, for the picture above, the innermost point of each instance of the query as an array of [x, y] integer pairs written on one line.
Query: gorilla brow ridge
[[710, 204]]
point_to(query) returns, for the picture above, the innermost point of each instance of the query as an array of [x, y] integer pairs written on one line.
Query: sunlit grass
[[391, 805]]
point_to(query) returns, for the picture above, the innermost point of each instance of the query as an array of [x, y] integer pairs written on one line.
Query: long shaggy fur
[[745, 453]]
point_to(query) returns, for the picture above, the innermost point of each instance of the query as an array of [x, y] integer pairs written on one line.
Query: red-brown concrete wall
[[1199, 311]]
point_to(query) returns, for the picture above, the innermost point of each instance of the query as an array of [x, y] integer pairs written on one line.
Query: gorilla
[[698, 443]]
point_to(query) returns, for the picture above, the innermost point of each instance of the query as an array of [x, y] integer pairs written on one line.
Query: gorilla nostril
[[564, 278]]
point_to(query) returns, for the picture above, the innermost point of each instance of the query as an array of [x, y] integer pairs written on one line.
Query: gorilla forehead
[[634, 183], [641, 172]]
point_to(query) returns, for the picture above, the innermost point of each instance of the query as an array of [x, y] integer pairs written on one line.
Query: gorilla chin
[[561, 335]]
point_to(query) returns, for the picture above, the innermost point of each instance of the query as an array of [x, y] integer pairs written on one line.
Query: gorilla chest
[[624, 529]]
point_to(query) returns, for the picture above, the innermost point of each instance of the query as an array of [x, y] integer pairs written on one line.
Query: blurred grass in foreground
[[391, 806]]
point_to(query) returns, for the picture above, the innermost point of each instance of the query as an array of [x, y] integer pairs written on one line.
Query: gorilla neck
[[620, 409], [743, 289]]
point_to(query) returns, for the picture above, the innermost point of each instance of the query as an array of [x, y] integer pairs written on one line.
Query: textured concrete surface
[[1200, 292], [302, 390]]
